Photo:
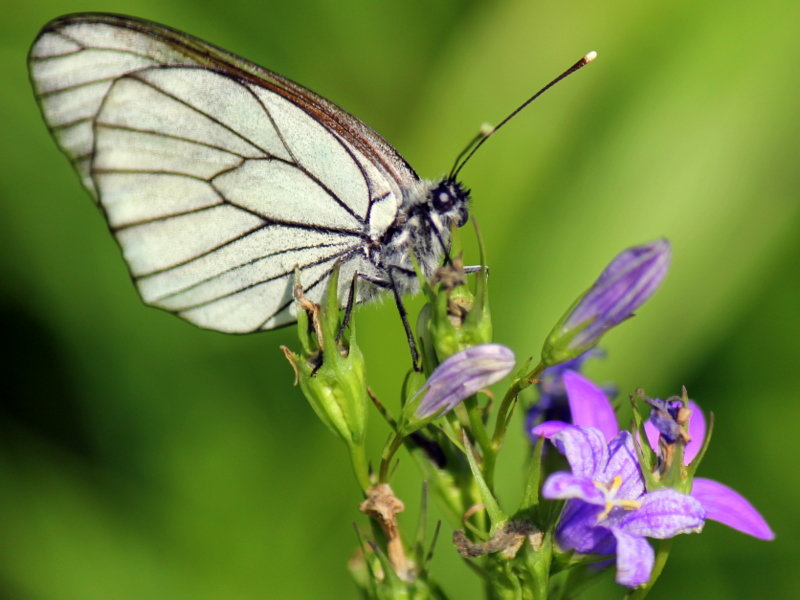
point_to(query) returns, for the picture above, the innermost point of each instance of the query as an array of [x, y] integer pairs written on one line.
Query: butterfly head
[[449, 200]]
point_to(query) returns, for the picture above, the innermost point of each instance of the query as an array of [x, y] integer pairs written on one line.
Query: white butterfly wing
[[218, 178]]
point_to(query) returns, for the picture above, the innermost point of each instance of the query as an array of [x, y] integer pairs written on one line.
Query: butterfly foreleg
[[412, 344], [389, 284], [348, 309]]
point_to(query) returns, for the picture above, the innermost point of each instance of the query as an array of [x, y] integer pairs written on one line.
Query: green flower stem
[[358, 458], [662, 554], [496, 515], [509, 402], [476, 424], [503, 418], [388, 453]]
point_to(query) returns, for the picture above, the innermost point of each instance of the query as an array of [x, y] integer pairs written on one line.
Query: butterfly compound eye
[[447, 195], [449, 198], [442, 200]]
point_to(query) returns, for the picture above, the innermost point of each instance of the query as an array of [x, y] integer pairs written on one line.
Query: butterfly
[[220, 179]]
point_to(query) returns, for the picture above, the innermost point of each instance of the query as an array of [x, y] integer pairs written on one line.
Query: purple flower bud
[[625, 284], [462, 375]]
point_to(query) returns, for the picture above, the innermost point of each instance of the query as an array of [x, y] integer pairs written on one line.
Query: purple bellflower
[[623, 286], [461, 376], [609, 511], [722, 503]]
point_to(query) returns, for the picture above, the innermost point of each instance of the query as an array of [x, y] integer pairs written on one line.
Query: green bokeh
[[143, 458]]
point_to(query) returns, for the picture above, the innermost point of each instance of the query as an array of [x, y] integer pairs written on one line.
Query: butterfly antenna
[[485, 133]]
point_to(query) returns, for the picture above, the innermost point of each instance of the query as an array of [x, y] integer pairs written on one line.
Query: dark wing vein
[[374, 201], [71, 123], [79, 157], [174, 137], [76, 86], [302, 167], [267, 154], [268, 220], [319, 261], [247, 264], [306, 290], [166, 217], [101, 170], [240, 237], [198, 111]]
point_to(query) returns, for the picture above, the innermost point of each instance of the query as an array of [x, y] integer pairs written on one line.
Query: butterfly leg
[[348, 309], [389, 284], [445, 247], [412, 344]]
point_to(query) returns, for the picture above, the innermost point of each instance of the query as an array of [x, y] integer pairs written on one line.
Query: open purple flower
[[462, 375], [623, 286], [609, 511], [721, 503]]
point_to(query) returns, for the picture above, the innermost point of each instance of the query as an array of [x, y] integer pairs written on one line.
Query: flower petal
[[577, 530], [589, 405], [462, 375], [623, 462], [652, 435], [635, 559], [565, 486], [730, 508], [697, 431], [548, 429], [662, 514], [584, 448]]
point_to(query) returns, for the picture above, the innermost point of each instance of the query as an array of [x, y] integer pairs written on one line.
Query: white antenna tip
[[590, 56], [486, 129]]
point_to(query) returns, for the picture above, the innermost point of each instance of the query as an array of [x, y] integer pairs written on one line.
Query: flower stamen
[[609, 491]]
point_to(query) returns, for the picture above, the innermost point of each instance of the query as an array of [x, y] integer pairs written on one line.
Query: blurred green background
[[143, 458]]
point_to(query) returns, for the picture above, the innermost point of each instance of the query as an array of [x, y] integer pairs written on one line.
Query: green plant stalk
[[476, 424], [503, 417], [358, 458], [388, 453]]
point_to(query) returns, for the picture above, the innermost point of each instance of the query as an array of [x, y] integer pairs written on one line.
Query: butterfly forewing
[[217, 177]]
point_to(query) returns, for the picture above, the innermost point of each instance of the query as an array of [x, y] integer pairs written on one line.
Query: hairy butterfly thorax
[[422, 228]]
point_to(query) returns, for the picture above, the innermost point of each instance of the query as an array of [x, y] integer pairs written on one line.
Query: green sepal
[[454, 317], [646, 456], [496, 515], [451, 333], [557, 347], [533, 479], [331, 374]]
